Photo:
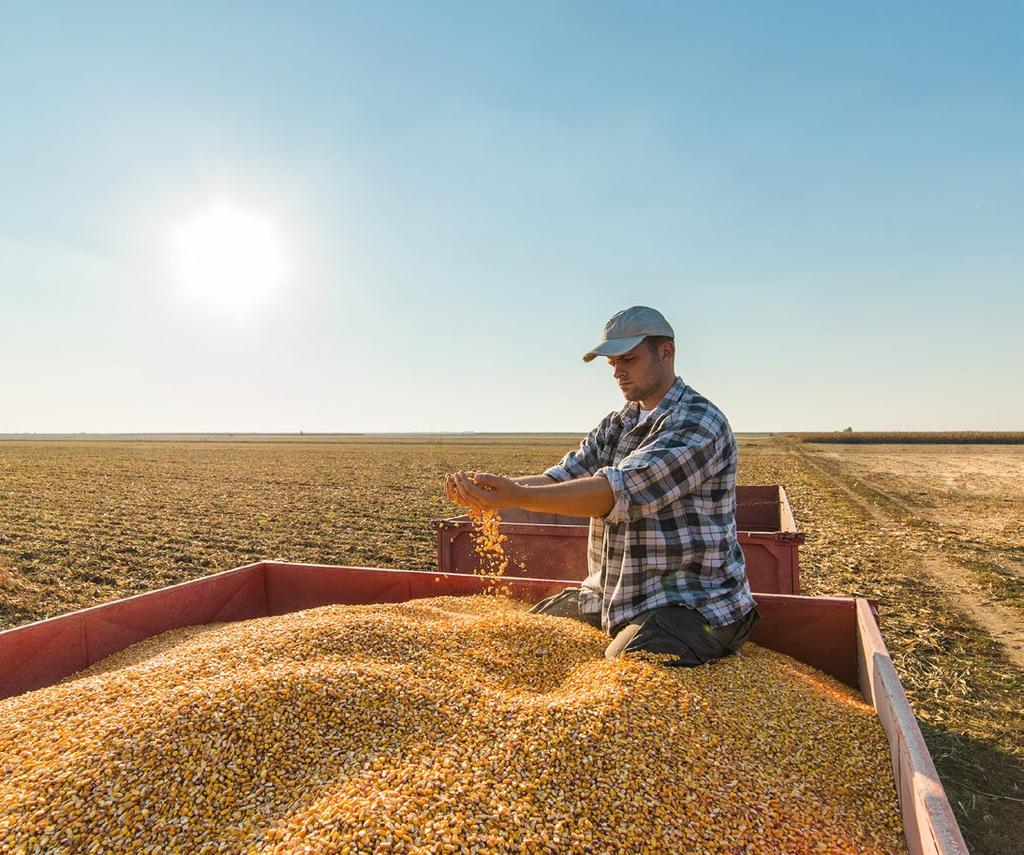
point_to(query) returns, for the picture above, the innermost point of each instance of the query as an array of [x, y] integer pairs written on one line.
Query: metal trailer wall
[[838, 635], [552, 546]]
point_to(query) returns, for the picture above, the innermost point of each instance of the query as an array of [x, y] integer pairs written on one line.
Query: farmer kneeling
[[658, 481]]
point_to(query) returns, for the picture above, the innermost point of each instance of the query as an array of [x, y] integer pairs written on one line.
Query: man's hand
[[489, 492]]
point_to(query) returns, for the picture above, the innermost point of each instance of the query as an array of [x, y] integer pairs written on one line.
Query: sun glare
[[228, 258]]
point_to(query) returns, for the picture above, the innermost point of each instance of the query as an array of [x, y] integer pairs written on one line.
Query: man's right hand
[[451, 492]]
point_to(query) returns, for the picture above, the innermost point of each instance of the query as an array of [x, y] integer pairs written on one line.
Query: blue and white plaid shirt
[[671, 535]]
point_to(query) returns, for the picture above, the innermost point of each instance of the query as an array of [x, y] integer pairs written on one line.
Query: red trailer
[[835, 634], [551, 546]]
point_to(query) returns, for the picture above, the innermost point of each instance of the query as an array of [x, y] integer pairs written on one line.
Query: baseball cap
[[626, 329]]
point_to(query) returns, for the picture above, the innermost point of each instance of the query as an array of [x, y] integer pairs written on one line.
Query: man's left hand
[[489, 493]]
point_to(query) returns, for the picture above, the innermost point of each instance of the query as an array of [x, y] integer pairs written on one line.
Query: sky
[[825, 200]]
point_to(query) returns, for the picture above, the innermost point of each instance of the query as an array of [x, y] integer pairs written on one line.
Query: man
[[657, 478]]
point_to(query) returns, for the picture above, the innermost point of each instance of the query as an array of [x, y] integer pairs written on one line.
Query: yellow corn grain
[[452, 725], [488, 543]]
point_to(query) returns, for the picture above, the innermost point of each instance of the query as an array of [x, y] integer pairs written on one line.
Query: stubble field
[[932, 532]]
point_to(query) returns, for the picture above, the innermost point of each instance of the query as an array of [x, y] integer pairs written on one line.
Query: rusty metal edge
[[99, 607], [929, 824], [787, 522], [459, 525]]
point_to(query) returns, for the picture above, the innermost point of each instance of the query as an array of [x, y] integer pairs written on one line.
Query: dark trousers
[[677, 630], [566, 604], [682, 632]]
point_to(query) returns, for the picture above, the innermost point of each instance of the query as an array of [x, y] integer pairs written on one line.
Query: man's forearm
[[581, 497], [534, 480]]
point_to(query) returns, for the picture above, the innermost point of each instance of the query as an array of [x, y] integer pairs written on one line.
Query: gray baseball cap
[[627, 329]]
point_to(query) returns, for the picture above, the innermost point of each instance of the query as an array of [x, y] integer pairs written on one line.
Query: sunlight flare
[[228, 258]]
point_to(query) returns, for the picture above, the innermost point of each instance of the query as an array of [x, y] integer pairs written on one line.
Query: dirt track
[[1003, 624]]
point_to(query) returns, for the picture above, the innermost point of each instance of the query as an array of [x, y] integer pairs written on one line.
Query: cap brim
[[614, 347]]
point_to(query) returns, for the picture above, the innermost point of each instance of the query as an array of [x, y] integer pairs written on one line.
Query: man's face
[[641, 372]]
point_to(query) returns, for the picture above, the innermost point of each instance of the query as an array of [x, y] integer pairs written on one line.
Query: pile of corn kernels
[[451, 725]]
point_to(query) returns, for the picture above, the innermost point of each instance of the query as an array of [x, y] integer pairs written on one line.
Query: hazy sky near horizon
[[826, 201]]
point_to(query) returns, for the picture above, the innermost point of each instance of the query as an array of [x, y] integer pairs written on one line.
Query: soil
[[952, 485]]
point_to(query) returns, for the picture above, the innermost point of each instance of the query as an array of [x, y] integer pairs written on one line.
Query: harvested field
[[88, 521], [965, 503], [84, 522], [965, 437]]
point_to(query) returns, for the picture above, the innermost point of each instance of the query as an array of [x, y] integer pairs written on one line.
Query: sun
[[228, 258]]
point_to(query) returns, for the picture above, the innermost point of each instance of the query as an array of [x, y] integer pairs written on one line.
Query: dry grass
[[88, 521], [8, 581], [962, 502]]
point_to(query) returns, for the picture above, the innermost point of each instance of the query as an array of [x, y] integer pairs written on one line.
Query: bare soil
[[964, 499], [973, 492]]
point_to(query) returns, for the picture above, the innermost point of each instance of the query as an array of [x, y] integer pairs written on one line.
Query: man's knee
[[682, 633], [566, 604]]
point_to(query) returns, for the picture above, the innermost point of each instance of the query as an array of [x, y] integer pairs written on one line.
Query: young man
[[658, 480]]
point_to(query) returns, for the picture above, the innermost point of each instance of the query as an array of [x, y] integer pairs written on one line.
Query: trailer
[[838, 635], [552, 546]]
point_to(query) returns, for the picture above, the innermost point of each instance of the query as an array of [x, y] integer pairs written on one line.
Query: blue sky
[[826, 201]]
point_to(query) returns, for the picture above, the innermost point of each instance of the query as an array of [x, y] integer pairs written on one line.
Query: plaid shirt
[[671, 535]]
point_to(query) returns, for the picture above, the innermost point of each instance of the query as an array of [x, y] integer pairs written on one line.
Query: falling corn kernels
[[445, 725], [488, 543]]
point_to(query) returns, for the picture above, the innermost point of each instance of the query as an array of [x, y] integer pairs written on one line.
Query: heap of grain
[[445, 725]]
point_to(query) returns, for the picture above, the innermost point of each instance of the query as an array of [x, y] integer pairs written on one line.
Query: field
[[934, 533], [964, 437]]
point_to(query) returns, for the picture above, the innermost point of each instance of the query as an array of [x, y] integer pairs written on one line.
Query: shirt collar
[[631, 412]]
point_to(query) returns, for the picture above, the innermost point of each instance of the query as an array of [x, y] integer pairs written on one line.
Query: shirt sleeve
[[673, 465], [586, 459]]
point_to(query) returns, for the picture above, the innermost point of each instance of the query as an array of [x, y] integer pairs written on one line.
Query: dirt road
[[1004, 624]]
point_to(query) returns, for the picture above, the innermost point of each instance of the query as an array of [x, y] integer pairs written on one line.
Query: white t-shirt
[[643, 414]]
